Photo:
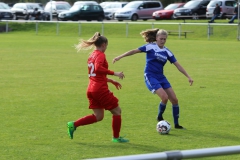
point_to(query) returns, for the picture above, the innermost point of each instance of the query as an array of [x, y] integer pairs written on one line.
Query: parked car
[[5, 12], [227, 7], [167, 12], [111, 7], [56, 7], [86, 12], [102, 4], [135, 10], [194, 9], [24, 10]]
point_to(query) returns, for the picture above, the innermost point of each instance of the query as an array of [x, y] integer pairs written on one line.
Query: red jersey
[[98, 71]]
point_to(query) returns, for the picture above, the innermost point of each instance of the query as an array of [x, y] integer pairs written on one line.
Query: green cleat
[[71, 129], [120, 140]]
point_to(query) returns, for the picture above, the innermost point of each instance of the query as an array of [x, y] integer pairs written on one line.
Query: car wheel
[[26, 17], [15, 17], [134, 17], [113, 17], [172, 17], [222, 16], [195, 16], [100, 18]]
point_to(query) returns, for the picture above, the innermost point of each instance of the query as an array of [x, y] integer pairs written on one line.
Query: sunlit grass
[[43, 85]]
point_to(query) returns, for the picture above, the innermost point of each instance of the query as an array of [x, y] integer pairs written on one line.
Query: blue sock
[[175, 112], [161, 110]]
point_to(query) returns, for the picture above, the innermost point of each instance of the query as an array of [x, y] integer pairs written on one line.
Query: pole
[[126, 29], [179, 30], [79, 28], [6, 27], [102, 28], [238, 21], [51, 11]]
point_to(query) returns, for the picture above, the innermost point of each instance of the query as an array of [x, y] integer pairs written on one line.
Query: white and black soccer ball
[[163, 127]]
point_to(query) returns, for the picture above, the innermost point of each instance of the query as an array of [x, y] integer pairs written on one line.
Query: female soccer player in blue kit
[[156, 57]]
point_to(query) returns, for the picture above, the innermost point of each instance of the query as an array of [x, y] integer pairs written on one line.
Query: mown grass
[[43, 83]]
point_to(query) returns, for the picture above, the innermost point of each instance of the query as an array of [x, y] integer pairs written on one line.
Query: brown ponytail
[[150, 35], [96, 40]]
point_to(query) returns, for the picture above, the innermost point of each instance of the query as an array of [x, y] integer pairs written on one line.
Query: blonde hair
[[96, 40], [150, 34]]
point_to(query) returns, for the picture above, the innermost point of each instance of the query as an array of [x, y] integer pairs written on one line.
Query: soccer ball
[[163, 127]]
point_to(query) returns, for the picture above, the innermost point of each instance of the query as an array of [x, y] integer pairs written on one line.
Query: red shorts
[[102, 100]]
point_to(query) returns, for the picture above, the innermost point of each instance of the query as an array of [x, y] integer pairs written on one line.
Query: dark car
[[194, 9], [86, 12], [167, 12], [24, 11], [5, 12]]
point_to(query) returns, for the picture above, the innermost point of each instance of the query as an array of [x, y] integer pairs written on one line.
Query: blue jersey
[[156, 58]]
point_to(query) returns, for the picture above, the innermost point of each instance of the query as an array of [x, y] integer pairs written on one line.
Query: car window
[[229, 3], [213, 3], [132, 5], [33, 6], [75, 7], [171, 6], [62, 7], [85, 8], [153, 5], [143, 5], [18, 6], [205, 3], [123, 5], [96, 8], [4, 6], [192, 4]]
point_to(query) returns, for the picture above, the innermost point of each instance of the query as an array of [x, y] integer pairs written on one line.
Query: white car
[[227, 7], [111, 7], [56, 7]]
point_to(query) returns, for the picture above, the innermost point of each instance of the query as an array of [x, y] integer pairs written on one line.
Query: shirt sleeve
[[143, 48], [171, 56], [99, 65]]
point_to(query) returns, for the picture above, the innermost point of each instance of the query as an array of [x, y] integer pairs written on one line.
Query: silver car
[[56, 7], [138, 10], [111, 7], [227, 7]]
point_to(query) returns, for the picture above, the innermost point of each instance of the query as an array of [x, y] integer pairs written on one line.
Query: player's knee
[[116, 111], [174, 101], [99, 117], [164, 99]]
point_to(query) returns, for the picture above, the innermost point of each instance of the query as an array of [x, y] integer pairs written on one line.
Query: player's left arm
[[115, 83], [183, 71]]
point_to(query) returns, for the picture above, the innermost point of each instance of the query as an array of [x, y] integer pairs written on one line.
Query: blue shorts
[[153, 83]]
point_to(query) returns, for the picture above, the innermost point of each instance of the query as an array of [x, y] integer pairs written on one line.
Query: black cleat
[[159, 119], [177, 126]]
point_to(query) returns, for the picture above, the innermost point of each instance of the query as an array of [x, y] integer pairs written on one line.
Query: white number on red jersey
[[91, 70]]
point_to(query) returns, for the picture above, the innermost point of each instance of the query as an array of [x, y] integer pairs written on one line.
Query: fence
[[178, 155], [182, 30]]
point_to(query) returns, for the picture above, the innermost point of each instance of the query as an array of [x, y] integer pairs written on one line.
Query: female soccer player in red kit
[[99, 96]]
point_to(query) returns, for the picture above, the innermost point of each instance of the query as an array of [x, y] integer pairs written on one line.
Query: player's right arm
[[129, 53]]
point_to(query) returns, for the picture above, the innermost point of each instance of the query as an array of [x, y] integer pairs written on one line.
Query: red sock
[[89, 119], [116, 125]]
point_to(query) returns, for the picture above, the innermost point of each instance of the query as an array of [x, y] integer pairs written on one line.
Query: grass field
[[43, 83]]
